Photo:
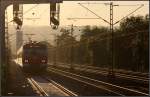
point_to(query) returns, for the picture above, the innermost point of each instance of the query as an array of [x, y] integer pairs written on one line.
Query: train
[[34, 56]]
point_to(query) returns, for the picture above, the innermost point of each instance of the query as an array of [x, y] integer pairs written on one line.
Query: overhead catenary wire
[[26, 11], [81, 4], [109, 3], [92, 3], [81, 18], [111, 26], [94, 13], [31, 9], [39, 15], [129, 14]]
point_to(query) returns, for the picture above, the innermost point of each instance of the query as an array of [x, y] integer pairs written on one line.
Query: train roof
[[34, 44]]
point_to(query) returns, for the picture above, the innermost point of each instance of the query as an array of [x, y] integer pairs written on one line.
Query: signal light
[[54, 21], [26, 61], [43, 61], [18, 21], [54, 15]]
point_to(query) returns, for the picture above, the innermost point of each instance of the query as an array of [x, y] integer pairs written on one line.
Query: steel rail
[[38, 87], [143, 79], [109, 85], [87, 83], [43, 92], [116, 70], [68, 92], [118, 74], [120, 71]]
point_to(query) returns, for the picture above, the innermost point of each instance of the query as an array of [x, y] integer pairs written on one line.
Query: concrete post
[[2, 43]]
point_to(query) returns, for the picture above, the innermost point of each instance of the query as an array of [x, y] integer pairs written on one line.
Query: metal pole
[[111, 71], [54, 56], [2, 47], [55, 51], [71, 50]]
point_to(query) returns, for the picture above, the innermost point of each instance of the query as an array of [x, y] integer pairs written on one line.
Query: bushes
[[130, 46]]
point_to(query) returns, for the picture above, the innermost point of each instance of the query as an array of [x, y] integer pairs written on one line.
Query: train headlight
[[26, 61], [43, 61]]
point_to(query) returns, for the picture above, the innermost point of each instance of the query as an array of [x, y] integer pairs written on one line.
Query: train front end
[[34, 57]]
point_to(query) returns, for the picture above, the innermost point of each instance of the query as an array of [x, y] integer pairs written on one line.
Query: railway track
[[37, 87], [146, 75], [143, 78], [47, 87], [118, 75], [128, 74], [100, 85], [70, 93], [120, 80]]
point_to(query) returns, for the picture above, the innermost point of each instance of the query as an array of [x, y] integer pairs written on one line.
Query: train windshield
[[36, 51]]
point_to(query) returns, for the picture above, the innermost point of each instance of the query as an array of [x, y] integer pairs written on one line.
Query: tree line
[[130, 45]]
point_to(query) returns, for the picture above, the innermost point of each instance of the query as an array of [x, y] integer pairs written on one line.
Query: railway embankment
[[16, 83]]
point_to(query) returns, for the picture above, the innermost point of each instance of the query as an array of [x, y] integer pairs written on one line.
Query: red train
[[34, 56]]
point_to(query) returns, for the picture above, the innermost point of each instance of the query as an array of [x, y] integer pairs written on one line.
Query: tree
[[138, 26], [89, 32], [65, 38], [65, 43], [134, 23], [93, 47]]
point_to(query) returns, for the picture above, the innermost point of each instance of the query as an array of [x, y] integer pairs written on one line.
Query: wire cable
[[94, 13], [26, 12], [129, 14]]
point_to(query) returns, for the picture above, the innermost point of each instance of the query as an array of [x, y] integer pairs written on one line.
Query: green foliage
[[89, 32], [134, 23], [46, 43], [130, 45], [65, 38]]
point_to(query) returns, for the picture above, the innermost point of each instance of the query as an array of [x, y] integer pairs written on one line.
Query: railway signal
[[18, 15], [54, 15]]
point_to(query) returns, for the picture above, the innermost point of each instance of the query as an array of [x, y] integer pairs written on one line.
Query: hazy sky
[[71, 9]]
